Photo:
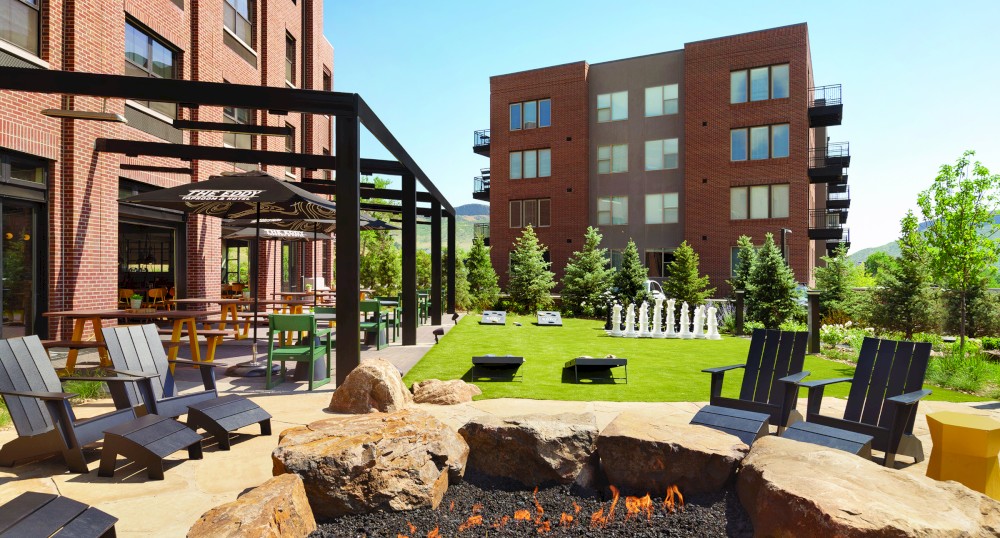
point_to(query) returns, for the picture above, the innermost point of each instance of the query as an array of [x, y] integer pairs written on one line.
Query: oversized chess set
[[705, 325]]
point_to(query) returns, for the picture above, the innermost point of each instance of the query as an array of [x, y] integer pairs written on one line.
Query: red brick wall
[[566, 86], [709, 173]]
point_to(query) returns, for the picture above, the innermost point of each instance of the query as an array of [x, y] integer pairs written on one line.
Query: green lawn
[[658, 370]]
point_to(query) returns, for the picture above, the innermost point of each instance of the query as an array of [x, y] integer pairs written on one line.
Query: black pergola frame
[[351, 112]]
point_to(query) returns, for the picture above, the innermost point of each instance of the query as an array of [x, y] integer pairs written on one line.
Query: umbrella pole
[[315, 278], [256, 292]]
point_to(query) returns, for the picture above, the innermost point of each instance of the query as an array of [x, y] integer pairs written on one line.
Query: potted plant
[[136, 301], [246, 293], [309, 288]]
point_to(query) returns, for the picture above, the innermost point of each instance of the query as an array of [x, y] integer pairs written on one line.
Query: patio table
[[229, 307]]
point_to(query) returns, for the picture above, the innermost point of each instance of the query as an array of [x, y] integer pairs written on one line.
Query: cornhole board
[[588, 365], [498, 362], [494, 317], [548, 317]]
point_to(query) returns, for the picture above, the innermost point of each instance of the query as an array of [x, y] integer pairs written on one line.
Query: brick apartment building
[[65, 240], [722, 138]]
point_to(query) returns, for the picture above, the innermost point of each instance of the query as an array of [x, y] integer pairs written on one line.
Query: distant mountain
[[892, 248], [464, 230], [473, 209]]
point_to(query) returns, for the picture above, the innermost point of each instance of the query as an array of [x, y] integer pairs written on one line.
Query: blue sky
[[920, 79]]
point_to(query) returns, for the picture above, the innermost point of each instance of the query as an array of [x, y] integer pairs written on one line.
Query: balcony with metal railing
[[826, 164], [482, 230], [845, 240], [481, 186], [825, 224], [838, 199], [481, 142], [825, 106]]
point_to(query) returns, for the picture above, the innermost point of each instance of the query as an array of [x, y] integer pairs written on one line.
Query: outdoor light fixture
[[437, 332], [104, 115]]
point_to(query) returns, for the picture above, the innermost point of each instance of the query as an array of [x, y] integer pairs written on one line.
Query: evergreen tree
[[381, 263], [834, 281], [745, 257], [587, 279], [423, 269], [771, 287], [484, 292], [463, 300], [530, 283], [683, 282], [902, 297], [630, 279]]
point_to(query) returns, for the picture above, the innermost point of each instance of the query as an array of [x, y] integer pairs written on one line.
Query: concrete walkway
[[169, 507]]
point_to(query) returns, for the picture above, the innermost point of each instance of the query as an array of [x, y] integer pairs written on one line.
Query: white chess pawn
[[671, 333], [657, 326], [644, 320], [685, 321], [630, 321], [616, 320], [713, 324]]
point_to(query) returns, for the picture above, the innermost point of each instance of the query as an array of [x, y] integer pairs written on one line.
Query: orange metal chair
[[157, 298], [124, 297]]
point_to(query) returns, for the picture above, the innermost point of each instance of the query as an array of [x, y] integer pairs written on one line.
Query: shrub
[[770, 287], [990, 342], [683, 281], [484, 292], [530, 284], [587, 278], [629, 280], [834, 334]]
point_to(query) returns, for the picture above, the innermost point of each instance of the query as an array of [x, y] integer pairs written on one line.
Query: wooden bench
[[498, 362], [220, 416], [146, 441], [70, 344], [592, 364], [44, 514], [858, 444], [747, 425]]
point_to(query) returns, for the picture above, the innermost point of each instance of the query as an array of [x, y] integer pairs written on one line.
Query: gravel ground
[[717, 514]]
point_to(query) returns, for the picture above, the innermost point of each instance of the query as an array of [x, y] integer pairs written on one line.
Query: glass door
[[18, 250]]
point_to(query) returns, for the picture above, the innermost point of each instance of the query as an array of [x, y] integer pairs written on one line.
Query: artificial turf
[[665, 370]]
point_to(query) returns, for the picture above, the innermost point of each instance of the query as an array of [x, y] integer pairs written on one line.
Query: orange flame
[[565, 520], [614, 501], [673, 498], [597, 519], [637, 505], [543, 526], [413, 529], [576, 508], [522, 515], [471, 522], [538, 507], [502, 523], [451, 507], [435, 533], [402, 536]]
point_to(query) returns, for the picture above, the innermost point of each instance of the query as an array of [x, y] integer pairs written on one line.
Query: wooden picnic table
[[97, 317], [229, 307]]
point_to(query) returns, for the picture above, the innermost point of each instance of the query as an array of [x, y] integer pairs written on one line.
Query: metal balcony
[[845, 240], [826, 164], [481, 142], [825, 106], [837, 187], [839, 199], [481, 186], [482, 230], [825, 225]]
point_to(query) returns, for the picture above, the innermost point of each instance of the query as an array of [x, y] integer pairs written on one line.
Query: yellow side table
[[965, 450]]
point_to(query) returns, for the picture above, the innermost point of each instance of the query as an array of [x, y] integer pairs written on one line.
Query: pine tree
[[745, 257], [683, 282], [463, 301], [834, 281], [770, 286], [530, 284], [902, 298], [587, 279], [630, 278], [484, 292]]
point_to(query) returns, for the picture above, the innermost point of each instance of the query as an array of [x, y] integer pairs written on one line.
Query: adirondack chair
[[885, 391], [136, 350], [773, 367], [41, 412]]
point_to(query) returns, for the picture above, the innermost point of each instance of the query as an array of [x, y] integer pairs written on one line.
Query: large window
[[661, 100], [612, 106], [147, 56], [612, 210], [661, 154], [530, 114], [763, 142], [19, 24], [530, 164], [615, 258], [657, 260], [290, 148], [289, 59], [612, 159], [537, 213], [758, 84], [237, 18], [758, 202], [662, 208], [239, 116]]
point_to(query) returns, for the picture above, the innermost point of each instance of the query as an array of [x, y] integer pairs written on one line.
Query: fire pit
[[481, 506]]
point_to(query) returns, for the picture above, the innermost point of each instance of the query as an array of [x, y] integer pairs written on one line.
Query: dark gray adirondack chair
[[41, 412], [136, 350], [885, 391], [773, 367]]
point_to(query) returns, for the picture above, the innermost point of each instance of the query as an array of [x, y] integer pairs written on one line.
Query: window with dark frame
[[612, 106], [530, 114], [238, 18], [758, 84], [23, 171], [289, 59], [148, 56], [290, 148], [759, 202], [238, 116], [20, 24], [536, 212], [759, 142], [612, 210], [612, 159], [657, 261], [530, 164]]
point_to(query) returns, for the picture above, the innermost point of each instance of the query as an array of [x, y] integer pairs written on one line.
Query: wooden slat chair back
[[882, 402], [41, 412], [137, 349], [374, 321]]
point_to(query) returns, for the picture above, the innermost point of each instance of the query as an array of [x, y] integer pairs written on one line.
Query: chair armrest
[[322, 332], [795, 378], [188, 362], [723, 368], [207, 370], [824, 382], [40, 395], [135, 373], [909, 398], [816, 393]]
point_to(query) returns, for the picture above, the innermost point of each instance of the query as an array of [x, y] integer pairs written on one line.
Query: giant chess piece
[[699, 322], [616, 320], [630, 322], [713, 324], [644, 320], [657, 326], [685, 322], [671, 333]]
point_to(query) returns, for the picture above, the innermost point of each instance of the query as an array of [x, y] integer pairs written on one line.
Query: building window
[[615, 258], [146, 56], [290, 148], [764, 142], [530, 164], [779, 140], [237, 18], [327, 173], [19, 24], [662, 208], [759, 202], [661, 154], [289, 59], [657, 261], [612, 210], [239, 116], [759, 148], [612, 159], [661, 100], [536, 213], [769, 82], [530, 114], [738, 145], [612, 106]]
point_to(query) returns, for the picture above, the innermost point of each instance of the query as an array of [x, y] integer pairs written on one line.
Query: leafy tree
[[878, 262], [530, 283], [962, 199], [745, 257], [982, 316], [683, 281], [630, 279], [835, 280], [484, 292], [381, 260], [423, 270], [587, 278], [463, 299], [770, 287], [902, 297]]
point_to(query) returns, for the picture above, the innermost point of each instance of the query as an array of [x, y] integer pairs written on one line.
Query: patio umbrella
[[255, 195]]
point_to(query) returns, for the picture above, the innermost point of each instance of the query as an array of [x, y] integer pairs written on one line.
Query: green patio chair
[[305, 350], [374, 322], [392, 314], [424, 304]]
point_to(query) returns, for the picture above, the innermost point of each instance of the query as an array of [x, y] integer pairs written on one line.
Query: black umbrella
[[276, 234]]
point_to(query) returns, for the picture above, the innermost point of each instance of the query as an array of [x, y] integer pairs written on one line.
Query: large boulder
[[451, 392], [362, 463], [642, 453], [374, 386], [276, 508], [531, 449], [796, 489]]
